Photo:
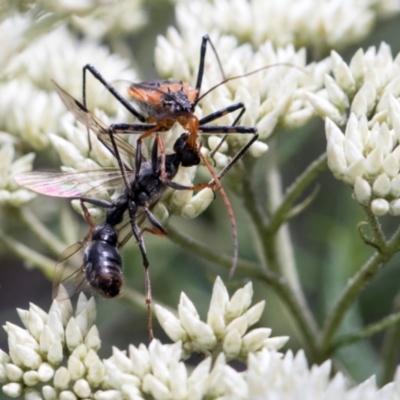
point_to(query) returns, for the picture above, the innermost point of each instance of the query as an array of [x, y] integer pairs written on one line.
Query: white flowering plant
[[326, 105]]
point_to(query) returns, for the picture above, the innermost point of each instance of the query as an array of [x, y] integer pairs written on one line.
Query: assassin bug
[[102, 265], [162, 103]]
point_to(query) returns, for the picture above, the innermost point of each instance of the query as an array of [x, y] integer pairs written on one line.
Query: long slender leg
[[111, 89], [200, 71], [235, 122], [137, 233]]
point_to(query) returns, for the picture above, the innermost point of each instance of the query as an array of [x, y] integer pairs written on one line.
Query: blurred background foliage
[[328, 248]]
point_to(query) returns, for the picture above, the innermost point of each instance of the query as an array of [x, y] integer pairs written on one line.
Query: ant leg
[[96, 202], [155, 222], [200, 71], [137, 233]]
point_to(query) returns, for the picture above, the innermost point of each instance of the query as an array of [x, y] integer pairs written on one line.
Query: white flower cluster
[[273, 96], [333, 24], [10, 192], [367, 155], [227, 323], [29, 106], [37, 355]]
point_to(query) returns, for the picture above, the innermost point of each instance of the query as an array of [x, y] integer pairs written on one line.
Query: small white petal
[[198, 203], [276, 343], [374, 162], [31, 394], [381, 186], [13, 372], [380, 207], [186, 304], [362, 191], [96, 373], [67, 395], [108, 395], [258, 149], [61, 378], [29, 357], [254, 340], [73, 335], [49, 393], [239, 302], [76, 368], [92, 339], [55, 354], [155, 387], [232, 344], [140, 360], [178, 383], [171, 325], [335, 93], [395, 207], [31, 378], [46, 339], [45, 372], [391, 165], [12, 389], [82, 388], [395, 186], [254, 313], [324, 108]]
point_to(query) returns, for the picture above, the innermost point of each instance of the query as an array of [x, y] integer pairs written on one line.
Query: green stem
[[390, 348], [36, 226], [296, 189], [377, 233], [358, 282], [367, 332], [44, 264]]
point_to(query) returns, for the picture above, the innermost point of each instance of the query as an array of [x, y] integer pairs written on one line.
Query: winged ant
[[102, 265]]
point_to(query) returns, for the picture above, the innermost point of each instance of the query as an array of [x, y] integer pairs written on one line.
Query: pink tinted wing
[[84, 116], [71, 184], [69, 276]]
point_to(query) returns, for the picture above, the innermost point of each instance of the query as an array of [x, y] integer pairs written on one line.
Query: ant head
[[189, 155]]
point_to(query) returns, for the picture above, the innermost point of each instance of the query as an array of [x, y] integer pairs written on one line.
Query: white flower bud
[[362, 191], [239, 302], [267, 124], [299, 118], [380, 207], [199, 332], [344, 77], [395, 186], [46, 339], [13, 372], [254, 313], [351, 152], [213, 142], [61, 378], [324, 108], [381, 186], [108, 395], [67, 395], [354, 171], [232, 344], [395, 207], [3, 374], [22, 336], [45, 372], [24, 316], [4, 357], [35, 324], [92, 339], [140, 361], [359, 105], [49, 393], [258, 149], [155, 387], [76, 368], [391, 165], [254, 340], [198, 203], [65, 307], [335, 93], [31, 394], [178, 383], [187, 305], [374, 162], [13, 389], [73, 335], [96, 373], [55, 324], [29, 357], [30, 378], [55, 354], [121, 360], [276, 343], [82, 388], [239, 324], [171, 325]]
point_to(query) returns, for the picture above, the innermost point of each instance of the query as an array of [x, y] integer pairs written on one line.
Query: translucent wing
[[71, 184], [69, 276], [83, 115]]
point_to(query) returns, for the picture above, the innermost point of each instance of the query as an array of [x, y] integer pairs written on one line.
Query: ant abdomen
[[103, 263]]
